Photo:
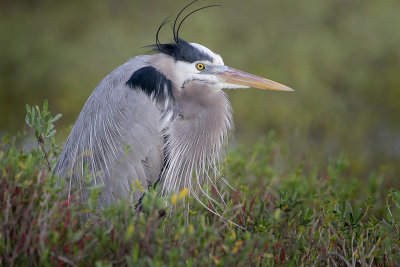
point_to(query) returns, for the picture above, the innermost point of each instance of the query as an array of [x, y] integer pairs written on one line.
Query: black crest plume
[[180, 49]]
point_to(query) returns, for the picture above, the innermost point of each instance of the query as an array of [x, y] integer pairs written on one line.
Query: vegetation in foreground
[[287, 217]]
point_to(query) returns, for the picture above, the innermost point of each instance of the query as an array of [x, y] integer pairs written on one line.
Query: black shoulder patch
[[152, 82], [182, 51]]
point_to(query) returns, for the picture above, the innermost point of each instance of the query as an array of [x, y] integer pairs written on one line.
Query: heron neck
[[196, 137]]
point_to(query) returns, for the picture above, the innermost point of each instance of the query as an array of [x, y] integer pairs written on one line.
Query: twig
[[340, 257], [66, 260], [41, 144]]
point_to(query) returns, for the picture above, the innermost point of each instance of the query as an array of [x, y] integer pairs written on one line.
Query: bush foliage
[[286, 216]]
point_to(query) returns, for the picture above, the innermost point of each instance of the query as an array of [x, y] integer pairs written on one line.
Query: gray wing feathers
[[116, 137]]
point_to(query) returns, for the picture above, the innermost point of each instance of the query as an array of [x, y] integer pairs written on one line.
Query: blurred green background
[[341, 56]]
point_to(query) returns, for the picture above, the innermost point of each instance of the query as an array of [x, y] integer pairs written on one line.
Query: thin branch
[[41, 144], [341, 257]]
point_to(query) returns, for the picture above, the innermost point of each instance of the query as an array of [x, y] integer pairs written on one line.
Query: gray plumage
[[113, 118], [159, 118], [116, 117]]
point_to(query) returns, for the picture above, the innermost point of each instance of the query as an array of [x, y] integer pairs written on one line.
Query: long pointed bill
[[238, 77]]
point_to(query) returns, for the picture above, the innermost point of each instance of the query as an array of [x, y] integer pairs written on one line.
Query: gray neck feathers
[[195, 139]]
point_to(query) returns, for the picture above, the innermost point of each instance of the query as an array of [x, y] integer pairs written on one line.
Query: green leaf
[[45, 105], [56, 118], [33, 113], [27, 120], [28, 109], [39, 114]]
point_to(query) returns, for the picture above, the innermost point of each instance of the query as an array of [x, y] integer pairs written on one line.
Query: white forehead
[[217, 58]]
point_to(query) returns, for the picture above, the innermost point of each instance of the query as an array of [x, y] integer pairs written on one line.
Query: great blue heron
[[169, 109]]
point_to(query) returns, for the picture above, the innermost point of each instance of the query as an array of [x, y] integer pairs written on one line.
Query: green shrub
[[286, 215]]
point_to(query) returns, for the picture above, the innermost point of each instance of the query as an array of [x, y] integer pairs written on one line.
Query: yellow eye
[[200, 66]]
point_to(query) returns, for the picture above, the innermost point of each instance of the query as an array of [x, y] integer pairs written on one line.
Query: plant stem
[[41, 144]]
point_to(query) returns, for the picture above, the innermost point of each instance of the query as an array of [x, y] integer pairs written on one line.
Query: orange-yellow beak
[[241, 78]]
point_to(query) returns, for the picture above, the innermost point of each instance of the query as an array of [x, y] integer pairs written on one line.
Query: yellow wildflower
[[191, 229], [183, 193], [173, 200], [239, 243], [129, 232]]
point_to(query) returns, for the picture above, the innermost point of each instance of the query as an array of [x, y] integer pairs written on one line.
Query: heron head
[[194, 62]]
